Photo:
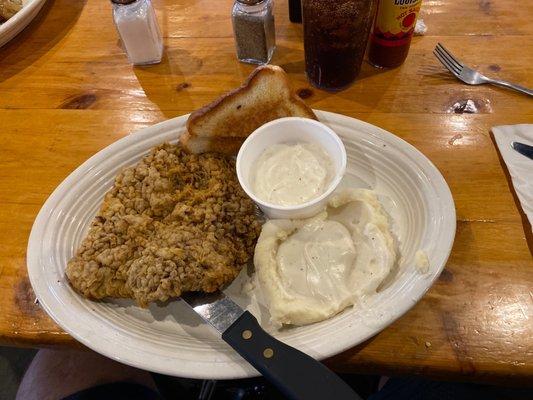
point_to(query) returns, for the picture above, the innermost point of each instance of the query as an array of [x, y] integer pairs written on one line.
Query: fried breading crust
[[173, 223]]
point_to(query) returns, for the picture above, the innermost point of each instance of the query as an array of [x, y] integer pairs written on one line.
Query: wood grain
[[67, 91]]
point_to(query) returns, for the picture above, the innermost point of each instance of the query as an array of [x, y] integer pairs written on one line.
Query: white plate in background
[[171, 339], [19, 21]]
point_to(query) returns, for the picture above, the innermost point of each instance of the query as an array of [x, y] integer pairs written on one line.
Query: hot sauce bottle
[[393, 29]]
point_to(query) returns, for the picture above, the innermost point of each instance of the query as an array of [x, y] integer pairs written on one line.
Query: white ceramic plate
[[171, 339], [10, 28]]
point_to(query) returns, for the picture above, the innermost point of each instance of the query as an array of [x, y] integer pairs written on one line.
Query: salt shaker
[[137, 26], [253, 26]]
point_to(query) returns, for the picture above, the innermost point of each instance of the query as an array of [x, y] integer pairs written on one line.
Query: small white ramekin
[[291, 130]]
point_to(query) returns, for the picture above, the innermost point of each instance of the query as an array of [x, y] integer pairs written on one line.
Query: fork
[[469, 75]]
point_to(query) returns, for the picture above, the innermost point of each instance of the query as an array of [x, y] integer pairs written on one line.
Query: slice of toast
[[223, 125]]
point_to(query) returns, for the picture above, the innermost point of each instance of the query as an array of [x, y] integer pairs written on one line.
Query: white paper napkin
[[520, 167]]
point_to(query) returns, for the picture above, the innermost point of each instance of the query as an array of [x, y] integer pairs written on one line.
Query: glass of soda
[[335, 38]]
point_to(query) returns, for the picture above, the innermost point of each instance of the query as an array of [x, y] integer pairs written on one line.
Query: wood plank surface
[[67, 91]]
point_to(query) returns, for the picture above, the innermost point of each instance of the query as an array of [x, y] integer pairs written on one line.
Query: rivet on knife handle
[[297, 375]]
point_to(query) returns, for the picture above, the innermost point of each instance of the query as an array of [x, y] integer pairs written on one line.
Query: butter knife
[[297, 375], [524, 149]]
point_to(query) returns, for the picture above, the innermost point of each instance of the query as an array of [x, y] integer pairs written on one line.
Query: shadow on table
[[52, 23], [357, 92], [295, 67], [435, 74], [525, 222], [169, 86], [165, 84], [337, 362], [368, 71]]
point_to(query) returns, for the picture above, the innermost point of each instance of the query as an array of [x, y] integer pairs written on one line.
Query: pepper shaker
[[253, 26], [138, 29]]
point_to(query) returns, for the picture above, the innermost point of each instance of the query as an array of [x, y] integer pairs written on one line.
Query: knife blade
[[297, 375], [524, 149]]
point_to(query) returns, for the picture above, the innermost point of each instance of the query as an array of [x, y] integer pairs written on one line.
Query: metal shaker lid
[[250, 2], [124, 2]]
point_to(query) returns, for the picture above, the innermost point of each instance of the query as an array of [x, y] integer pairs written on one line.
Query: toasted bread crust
[[222, 126], [243, 89]]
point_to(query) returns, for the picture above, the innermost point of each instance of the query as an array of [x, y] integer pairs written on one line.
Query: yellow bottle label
[[395, 21]]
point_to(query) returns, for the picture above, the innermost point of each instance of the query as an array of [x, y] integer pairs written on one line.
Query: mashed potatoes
[[309, 270]]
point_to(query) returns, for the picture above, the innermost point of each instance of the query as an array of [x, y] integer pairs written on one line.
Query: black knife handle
[[297, 375]]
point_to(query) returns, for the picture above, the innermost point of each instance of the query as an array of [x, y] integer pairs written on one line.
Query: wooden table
[[67, 91]]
